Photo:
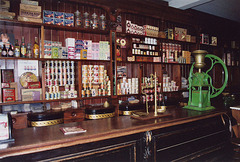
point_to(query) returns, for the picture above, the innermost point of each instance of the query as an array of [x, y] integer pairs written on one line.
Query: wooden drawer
[[19, 120], [73, 115]]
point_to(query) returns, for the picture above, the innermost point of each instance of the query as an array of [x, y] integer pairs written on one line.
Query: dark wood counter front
[[49, 142]]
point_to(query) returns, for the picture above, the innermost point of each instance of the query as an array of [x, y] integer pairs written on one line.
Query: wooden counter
[[44, 139]]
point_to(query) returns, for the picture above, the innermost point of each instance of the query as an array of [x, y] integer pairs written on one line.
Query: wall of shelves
[[143, 65]]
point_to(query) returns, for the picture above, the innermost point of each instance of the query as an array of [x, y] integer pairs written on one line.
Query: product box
[[7, 75], [31, 94], [30, 19], [59, 22], [28, 2], [68, 16], [70, 42], [47, 20], [48, 14], [33, 14], [5, 85], [58, 15], [15, 86], [84, 54], [68, 22], [188, 38], [8, 95], [214, 41], [30, 7], [33, 85], [55, 52], [180, 34]]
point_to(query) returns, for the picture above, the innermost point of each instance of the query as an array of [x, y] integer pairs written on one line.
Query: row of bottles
[[21, 50], [86, 22]]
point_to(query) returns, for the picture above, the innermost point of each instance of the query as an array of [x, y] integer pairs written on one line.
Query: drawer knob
[[14, 120], [74, 114]]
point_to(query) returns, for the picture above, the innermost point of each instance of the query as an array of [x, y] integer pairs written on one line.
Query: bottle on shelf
[[16, 49], [102, 22], [23, 48], [10, 51], [4, 51], [29, 51], [36, 48], [86, 20], [78, 20], [94, 21], [162, 101]]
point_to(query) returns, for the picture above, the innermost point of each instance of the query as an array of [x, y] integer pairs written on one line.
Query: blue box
[[58, 22], [58, 15], [69, 16], [47, 13], [47, 20], [68, 23]]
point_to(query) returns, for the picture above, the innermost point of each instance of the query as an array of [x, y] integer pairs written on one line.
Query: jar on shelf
[[102, 22], [78, 19], [94, 21], [86, 20]]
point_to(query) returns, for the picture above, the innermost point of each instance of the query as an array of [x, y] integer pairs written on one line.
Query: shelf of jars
[[122, 34]]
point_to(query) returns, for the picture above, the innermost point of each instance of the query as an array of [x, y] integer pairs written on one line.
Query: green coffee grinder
[[201, 89]]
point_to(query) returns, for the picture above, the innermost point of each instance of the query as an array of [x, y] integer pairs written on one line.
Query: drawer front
[[73, 115], [19, 121]]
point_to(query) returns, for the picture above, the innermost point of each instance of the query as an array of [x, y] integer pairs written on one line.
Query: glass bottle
[[29, 51], [36, 48], [23, 48], [0, 51], [78, 19], [102, 22], [16, 49], [4, 51], [94, 21], [86, 20], [10, 51]]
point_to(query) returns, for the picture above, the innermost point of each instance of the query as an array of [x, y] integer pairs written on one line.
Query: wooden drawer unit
[[73, 115], [19, 120]]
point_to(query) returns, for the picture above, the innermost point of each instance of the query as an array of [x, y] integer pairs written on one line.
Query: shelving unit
[[143, 65]]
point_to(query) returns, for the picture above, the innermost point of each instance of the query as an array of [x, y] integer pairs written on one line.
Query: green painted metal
[[201, 89]]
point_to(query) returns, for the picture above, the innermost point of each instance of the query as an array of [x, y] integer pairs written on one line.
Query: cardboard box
[[28, 2], [33, 14], [8, 95], [15, 86], [31, 94], [7, 75], [29, 19], [28, 7]]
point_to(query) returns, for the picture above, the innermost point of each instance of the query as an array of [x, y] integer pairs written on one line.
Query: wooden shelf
[[76, 29], [143, 36], [39, 101], [15, 22], [170, 63], [51, 59]]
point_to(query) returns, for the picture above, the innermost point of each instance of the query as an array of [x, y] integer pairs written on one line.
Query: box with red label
[[33, 85], [5, 85], [8, 94]]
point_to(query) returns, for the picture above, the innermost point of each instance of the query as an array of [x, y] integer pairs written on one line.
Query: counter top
[[31, 140]]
